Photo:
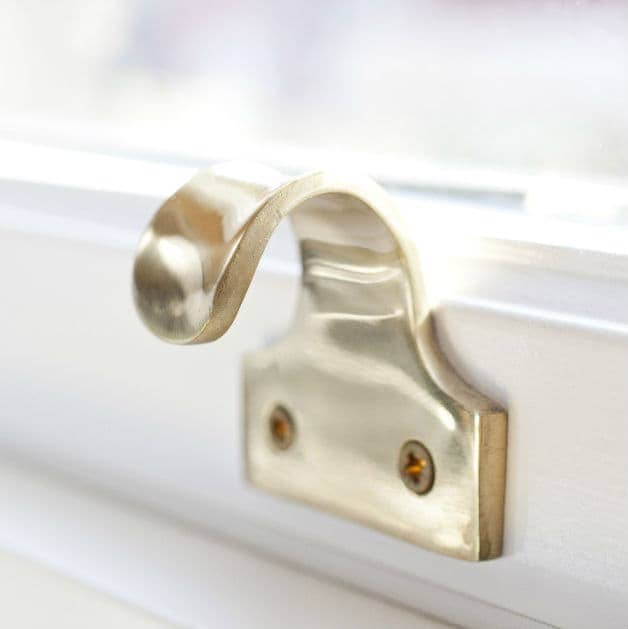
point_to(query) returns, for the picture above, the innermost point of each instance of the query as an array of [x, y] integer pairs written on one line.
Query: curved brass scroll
[[361, 371], [198, 256]]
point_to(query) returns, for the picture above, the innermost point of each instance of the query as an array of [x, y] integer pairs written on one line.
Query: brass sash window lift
[[356, 410]]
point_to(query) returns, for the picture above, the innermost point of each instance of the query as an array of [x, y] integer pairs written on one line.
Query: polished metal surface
[[359, 374]]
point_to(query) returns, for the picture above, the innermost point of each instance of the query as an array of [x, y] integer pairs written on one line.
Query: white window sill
[[534, 312]]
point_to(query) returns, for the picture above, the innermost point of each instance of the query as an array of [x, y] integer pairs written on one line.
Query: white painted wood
[[541, 327], [179, 573], [33, 597]]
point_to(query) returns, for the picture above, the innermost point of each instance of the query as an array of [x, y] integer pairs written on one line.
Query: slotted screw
[[282, 427], [416, 467]]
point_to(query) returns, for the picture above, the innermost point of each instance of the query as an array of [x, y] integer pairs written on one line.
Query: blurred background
[[515, 87]]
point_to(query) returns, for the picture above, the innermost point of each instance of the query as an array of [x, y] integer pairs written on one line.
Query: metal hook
[[361, 373], [198, 255]]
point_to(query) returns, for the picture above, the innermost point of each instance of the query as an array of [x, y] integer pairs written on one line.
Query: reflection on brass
[[281, 428], [361, 366], [416, 467]]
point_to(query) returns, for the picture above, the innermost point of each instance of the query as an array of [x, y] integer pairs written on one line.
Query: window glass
[[525, 87]]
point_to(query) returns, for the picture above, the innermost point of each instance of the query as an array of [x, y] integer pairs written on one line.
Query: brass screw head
[[282, 428], [416, 467]]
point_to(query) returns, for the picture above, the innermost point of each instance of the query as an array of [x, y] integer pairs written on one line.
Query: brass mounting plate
[[353, 379]]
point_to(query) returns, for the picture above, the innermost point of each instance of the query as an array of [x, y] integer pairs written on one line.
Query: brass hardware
[[416, 467], [282, 427], [361, 367]]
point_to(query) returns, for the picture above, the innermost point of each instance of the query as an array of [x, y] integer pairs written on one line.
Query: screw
[[416, 467], [282, 427]]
